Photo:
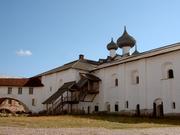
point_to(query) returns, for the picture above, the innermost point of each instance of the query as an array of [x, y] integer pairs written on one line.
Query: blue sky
[[38, 35]]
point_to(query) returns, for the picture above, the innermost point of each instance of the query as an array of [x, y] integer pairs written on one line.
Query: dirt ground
[[88, 131]]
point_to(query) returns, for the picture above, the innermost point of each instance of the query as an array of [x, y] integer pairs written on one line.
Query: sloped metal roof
[[84, 64], [90, 77], [85, 77], [146, 54]]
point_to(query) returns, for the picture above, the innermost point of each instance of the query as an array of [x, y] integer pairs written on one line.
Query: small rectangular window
[[116, 108], [137, 79], [96, 108], [20, 90], [33, 102], [116, 82], [127, 104], [9, 90], [30, 90], [174, 105]]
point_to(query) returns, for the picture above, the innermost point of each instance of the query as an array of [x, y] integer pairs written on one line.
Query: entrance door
[[138, 110], [160, 112], [158, 108]]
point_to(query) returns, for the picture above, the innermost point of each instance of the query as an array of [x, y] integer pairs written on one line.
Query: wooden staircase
[[84, 91], [88, 93], [58, 106]]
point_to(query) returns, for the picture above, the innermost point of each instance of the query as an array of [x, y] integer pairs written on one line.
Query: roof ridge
[[75, 64], [162, 47], [160, 50], [69, 63]]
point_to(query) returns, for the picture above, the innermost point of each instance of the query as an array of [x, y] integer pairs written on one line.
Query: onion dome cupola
[[126, 42], [112, 47]]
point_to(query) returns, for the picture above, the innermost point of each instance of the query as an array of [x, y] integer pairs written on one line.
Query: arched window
[[167, 70], [116, 82], [135, 77], [170, 73], [174, 105]]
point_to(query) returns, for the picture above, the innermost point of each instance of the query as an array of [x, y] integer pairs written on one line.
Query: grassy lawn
[[77, 121]]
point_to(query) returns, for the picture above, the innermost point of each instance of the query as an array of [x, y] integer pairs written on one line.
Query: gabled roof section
[[90, 76], [65, 87], [147, 54], [85, 64], [21, 82], [85, 77]]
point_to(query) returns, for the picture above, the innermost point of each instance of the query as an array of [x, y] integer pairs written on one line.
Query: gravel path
[[88, 131]]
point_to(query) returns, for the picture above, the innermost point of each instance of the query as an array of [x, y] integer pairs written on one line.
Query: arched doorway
[[12, 105], [158, 108]]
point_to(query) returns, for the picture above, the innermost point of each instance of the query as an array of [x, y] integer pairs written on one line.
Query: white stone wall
[[25, 97], [53, 82], [151, 85]]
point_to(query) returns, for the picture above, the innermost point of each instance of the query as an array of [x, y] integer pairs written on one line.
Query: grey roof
[[66, 86], [90, 77], [84, 64], [85, 77], [142, 55], [126, 40]]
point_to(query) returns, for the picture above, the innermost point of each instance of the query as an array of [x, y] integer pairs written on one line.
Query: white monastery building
[[146, 83]]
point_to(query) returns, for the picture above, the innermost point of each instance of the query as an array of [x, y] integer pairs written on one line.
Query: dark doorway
[[158, 110], [116, 108], [161, 112], [96, 108], [154, 109], [138, 110]]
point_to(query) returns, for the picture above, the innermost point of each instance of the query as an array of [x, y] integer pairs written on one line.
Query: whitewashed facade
[[140, 83]]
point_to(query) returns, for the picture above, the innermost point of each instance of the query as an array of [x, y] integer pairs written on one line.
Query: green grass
[[78, 121]]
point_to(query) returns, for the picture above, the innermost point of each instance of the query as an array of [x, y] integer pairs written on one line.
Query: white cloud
[[24, 52]]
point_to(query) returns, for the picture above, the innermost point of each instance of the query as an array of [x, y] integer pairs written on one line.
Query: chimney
[[81, 57]]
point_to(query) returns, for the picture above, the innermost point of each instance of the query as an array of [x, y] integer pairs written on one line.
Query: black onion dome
[[126, 40], [112, 45]]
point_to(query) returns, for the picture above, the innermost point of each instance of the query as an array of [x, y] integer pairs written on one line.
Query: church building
[[137, 83]]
